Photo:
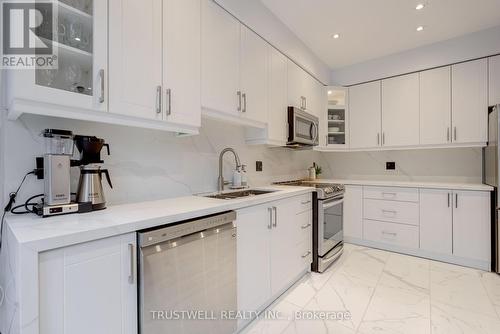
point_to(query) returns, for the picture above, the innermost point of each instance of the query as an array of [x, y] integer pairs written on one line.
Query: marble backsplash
[[148, 164]]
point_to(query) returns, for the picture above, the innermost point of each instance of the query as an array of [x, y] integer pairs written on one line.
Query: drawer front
[[391, 193], [303, 203], [391, 211], [305, 253], [304, 226], [390, 233]]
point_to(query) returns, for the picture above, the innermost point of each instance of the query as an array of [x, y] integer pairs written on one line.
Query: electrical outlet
[[258, 166], [390, 165]]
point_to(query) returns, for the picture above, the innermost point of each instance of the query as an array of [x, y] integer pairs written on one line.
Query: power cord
[[12, 200]]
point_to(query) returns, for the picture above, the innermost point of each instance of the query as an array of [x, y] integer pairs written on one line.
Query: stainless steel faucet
[[221, 182]]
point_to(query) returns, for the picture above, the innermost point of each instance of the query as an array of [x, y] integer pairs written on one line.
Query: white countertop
[[42, 234], [410, 184]]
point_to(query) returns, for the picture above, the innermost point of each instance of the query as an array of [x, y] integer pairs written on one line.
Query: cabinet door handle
[[275, 216], [456, 201], [169, 105], [306, 202], [306, 254], [302, 103], [448, 134], [378, 139], [455, 133], [270, 225], [101, 79], [158, 99], [244, 95], [449, 195], [131, 267], [383, 138], [305, 226], [305, 102], [238, 93]]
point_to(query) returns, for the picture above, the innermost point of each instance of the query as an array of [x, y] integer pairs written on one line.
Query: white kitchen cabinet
[[436, 221], [365, 117], [400, 111], [435, 106], [135, 46], [253, 254], [274, 247], [181, 61], [277, 84], [470, 102], [254, 76], [89, 288], [472, 225], [155, 72], [79, 84], [353, 213], [297, 78], [494, 80], [220, 59]]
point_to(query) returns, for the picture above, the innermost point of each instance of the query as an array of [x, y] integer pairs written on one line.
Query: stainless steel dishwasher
[[187, 276]]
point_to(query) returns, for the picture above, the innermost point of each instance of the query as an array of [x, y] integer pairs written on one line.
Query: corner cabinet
[[89, 288], [155, 72], [334, 120], [78, 87]]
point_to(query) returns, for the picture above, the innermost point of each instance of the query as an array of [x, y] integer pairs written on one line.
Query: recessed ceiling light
[[336, 36], [330, 92], [420, 28], [420, 6]]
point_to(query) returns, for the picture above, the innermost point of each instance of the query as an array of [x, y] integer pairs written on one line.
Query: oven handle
[[328, 205]]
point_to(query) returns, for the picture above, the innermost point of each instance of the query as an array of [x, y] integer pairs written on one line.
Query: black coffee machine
[[90, 183]]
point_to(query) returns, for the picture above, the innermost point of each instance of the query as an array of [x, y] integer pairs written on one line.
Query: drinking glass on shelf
[[62, 31], [75, 34]]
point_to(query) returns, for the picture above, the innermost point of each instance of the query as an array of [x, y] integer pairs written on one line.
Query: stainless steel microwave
[[302, 128]]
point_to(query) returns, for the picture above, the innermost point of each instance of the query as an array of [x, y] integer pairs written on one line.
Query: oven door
[[330, 224]]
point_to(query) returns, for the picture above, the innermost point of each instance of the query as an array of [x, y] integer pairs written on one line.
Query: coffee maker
[[90, 183]]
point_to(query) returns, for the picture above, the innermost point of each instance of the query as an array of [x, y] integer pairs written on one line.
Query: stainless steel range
[[328, 222]]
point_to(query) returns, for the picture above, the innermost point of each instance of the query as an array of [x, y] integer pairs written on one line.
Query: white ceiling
[[371, 29]]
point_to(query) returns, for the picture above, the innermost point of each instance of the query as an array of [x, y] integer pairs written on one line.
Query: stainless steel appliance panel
[[302, 128], [330, 224], [189, 267]]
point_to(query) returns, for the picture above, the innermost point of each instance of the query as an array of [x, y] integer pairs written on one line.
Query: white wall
[[475, 45], [440, 165], [147, 164], [258, 17]]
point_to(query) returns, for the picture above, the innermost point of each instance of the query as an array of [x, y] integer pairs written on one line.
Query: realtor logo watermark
[[28, 32]]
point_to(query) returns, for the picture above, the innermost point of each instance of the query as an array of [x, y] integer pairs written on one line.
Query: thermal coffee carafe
[[90, 184]]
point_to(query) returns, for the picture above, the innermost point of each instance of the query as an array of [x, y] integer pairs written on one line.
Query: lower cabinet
[[353, 212], [441, 224], [89, 288], [274, 245]]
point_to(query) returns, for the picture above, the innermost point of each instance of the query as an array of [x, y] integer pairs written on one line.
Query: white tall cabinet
[[89, 288], [365, 117], [470, 101], [494, 80], [400, 111], [435, 106], [155, 48]]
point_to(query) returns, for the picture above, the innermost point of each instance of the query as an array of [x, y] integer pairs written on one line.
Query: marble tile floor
[[386, 292]]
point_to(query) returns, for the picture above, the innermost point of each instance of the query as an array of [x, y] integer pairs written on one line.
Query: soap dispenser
[[244, 179]]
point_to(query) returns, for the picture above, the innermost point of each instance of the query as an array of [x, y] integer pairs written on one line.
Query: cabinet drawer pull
[[131, 267], [392, 234], [305, 226], [389, 194], [392, 212], [158, 99], [306, 202], [306, 254]]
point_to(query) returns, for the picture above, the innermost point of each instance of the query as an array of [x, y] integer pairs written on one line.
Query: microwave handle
[[314, 129]]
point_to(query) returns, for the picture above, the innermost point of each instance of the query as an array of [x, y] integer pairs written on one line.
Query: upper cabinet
[[494, 80], [220, 60], [304, 91], [334, 123], [400, 111], [234, 68], [80, 81], [435, 106], [365, 115], [135, 32], [470, 101], [155, 74]]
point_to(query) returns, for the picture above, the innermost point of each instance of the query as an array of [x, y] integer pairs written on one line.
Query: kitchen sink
[[240, 194]]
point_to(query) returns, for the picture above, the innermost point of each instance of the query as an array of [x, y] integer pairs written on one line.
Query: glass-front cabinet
[[77, 31], [337, 119]]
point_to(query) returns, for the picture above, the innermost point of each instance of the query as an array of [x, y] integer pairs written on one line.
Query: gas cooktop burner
[[324, 190]]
